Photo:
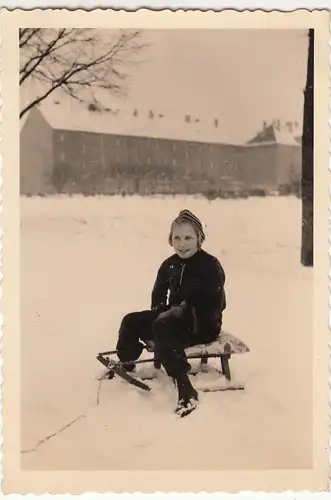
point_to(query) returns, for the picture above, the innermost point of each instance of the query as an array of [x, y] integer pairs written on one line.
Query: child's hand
[[160, 308]]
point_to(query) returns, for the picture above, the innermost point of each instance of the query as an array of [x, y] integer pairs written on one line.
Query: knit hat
[[187, 216]]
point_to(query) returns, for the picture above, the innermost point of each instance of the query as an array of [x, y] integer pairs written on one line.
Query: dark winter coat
[[198, 284]]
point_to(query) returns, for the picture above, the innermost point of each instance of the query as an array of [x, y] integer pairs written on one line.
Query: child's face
[[184, 240]]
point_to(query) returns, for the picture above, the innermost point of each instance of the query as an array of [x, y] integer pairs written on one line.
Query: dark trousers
[[171, 331]]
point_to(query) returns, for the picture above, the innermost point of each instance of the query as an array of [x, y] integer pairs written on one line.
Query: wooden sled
[[223, 348]]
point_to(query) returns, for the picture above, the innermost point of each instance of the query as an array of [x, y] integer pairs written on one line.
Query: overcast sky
[[244, 77], [241, 76]]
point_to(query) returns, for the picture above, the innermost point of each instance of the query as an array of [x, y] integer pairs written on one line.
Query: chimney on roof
[[93, 107], [151, 114], [290, 126], [188, 118]]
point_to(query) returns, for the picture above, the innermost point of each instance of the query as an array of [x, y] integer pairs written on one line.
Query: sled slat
[[223, 348]]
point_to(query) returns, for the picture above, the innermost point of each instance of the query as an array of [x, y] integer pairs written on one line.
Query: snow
[[85, 262]]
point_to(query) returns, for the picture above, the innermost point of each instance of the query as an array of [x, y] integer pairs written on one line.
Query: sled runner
[[116, 367], [223, 348]]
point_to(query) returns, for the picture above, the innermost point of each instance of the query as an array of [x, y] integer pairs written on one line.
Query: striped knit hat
[[187, 216]]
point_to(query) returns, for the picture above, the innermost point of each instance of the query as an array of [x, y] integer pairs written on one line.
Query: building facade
[[55, 159]]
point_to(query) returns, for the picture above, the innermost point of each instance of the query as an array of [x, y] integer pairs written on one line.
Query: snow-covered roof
[[286, 134], [285, 137], [126, 120], [23, 120]]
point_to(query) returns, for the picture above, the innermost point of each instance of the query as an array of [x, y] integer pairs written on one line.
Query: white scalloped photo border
[[1, 261], [287, 495], [329, 252]]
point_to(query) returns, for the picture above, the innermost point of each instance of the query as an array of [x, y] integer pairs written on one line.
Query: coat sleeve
[[160, 289], [208, 291]]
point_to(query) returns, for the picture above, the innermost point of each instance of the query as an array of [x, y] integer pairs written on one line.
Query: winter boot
[[130, 367], [187, 396]]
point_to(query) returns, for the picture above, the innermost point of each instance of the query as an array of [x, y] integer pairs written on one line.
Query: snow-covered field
[[85, 262]]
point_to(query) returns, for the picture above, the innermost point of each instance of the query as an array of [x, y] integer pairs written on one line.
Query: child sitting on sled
[[188, 300]]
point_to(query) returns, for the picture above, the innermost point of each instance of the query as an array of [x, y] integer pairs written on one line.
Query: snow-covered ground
[[85, 262]]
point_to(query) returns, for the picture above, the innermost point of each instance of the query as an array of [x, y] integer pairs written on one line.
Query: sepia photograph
[[166, 247]]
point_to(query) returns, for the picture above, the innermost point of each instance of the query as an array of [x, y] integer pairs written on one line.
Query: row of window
[[153, 144], [164, 161]]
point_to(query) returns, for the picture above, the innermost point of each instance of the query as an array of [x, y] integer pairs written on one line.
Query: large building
[[87, 150], [273, 156]]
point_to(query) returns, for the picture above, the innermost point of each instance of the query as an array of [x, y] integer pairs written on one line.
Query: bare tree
[[307, 179], [76, 60]]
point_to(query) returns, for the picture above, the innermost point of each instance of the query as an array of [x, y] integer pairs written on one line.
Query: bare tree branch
[[35, 61], [76, 59], [25, 35]]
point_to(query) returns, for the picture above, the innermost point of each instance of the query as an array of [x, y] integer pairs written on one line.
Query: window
[[63, 156], [174, 161], [174, 146], [148, 161]]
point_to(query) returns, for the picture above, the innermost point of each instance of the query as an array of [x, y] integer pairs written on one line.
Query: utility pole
[[307, 177]]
